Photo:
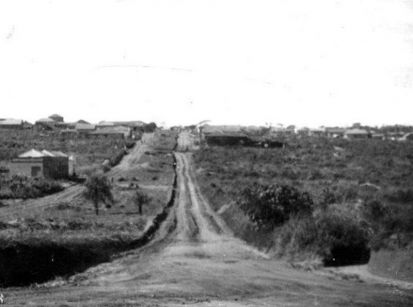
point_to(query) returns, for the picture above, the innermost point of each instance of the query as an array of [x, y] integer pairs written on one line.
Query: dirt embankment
[[397, 264]]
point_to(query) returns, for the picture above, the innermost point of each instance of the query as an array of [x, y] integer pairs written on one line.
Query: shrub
[[339, 239], [342, 239], [23, 187], [400, 195], [115, 160], [130, 144], [272, 205]]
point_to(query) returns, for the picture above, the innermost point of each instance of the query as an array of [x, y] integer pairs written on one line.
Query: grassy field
[[68, 228], [366, 181], [89, 153]]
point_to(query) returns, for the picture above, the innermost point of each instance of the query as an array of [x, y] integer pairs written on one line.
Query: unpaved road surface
[[195, 260]]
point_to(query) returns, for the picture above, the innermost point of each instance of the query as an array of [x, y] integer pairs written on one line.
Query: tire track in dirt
[[188, 227], [214, 223]]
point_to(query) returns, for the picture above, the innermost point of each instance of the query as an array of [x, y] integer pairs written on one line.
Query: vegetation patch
[[359, 191], [24, 187], [65, 237]]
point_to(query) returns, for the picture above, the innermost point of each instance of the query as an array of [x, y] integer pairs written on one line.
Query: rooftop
[[11, 121], [356, 131], [33, 153], [85, 127], [45, 120]]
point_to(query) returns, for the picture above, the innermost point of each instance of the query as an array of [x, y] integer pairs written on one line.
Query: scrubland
[[358, 193], [88, 152]]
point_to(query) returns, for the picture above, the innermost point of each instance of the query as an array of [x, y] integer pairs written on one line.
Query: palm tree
[[140, 199], [98, 189]]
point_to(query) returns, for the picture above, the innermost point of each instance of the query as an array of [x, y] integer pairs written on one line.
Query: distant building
[[115, 132], [378, 136], [105, 124], [357, 134], [226, 139], [57, 118], [134, 124], [46, 164], [85, 128], [45, 124], [335, 132], [317, 132], [11, 124]]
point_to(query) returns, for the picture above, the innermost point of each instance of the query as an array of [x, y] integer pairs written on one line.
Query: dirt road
[[195, 260]]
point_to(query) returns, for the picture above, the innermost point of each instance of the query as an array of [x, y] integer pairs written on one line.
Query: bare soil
[[196, 260]]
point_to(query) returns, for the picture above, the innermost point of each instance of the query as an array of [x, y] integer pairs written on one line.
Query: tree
[[140, 199], [272, 205], [98, 189]]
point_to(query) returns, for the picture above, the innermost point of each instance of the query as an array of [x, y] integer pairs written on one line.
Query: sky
[[250, 62]]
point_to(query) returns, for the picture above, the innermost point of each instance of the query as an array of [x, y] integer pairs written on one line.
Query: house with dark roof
[[335, 132], [57, 118]]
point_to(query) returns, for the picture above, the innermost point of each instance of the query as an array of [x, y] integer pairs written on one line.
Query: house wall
[[23, 167], [71, 168], [56, 167]]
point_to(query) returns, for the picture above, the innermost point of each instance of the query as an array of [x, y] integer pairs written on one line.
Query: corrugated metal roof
[[136, 123], [45, 120], [53, 153], [356, 131], [11, 121], [105, 123], [85, 127], [32, 153]]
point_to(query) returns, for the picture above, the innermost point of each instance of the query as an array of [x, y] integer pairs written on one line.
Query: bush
[[117, 158], [400, 195], [130, 144], [272, 205], [23, 187], [392, 224], [339, 239]]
